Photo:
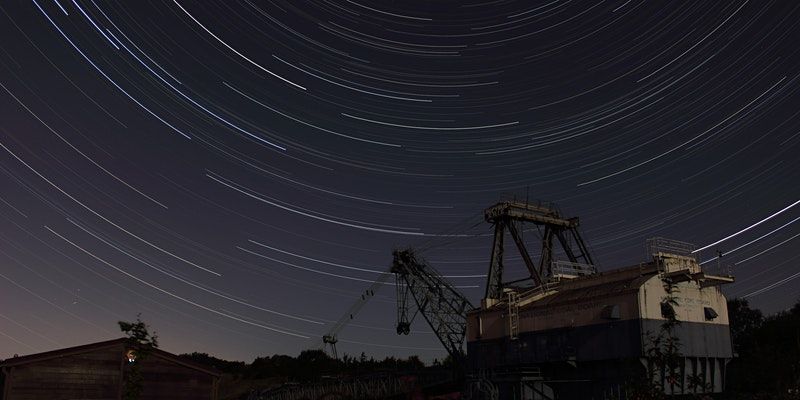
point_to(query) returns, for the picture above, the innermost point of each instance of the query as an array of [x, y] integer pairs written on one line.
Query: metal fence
[[376, 386], [663, 245]]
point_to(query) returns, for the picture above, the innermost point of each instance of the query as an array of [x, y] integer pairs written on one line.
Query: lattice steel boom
[[442, 306], [331, 338]]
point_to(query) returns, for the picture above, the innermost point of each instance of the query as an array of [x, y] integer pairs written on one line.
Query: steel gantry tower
[[509, 215]]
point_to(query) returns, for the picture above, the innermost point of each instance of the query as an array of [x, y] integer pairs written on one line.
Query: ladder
[[513, 314]]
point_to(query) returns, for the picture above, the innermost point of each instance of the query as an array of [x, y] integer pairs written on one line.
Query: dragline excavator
[[565, 330], [422, 290]]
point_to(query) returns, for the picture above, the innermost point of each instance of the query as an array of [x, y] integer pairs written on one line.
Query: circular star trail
[[239, 172]]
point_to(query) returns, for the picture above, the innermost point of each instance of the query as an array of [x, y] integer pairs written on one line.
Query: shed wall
[[165, 379], [91, 376]]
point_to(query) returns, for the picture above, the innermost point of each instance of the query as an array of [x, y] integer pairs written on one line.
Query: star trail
[[239, 172]]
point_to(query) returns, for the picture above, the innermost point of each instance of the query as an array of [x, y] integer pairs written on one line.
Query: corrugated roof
[[601, 285]]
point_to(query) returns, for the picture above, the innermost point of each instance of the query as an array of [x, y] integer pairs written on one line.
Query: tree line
[[767, 353], [309, 365]]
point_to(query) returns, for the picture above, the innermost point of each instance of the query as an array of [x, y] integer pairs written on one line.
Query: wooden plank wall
[[165, 379], [92, 375]]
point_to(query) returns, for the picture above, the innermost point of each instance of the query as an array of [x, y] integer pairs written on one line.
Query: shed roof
[[121, 342]]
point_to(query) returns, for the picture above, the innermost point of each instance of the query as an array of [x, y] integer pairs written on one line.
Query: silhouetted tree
[[140, 343], [662, 349], [768, 362], [744, 322], [138, 333], [225, 366], [312, 364]]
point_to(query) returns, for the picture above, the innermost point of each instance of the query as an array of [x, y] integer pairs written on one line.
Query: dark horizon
[[240, 173]]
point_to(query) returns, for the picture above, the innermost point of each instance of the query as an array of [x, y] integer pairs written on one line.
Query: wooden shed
[[97, 371]]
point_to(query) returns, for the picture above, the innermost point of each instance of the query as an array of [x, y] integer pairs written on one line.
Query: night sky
[[239, 172]]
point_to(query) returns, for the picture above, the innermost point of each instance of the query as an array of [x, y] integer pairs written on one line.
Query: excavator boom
[[332, 336], [421, 289]]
